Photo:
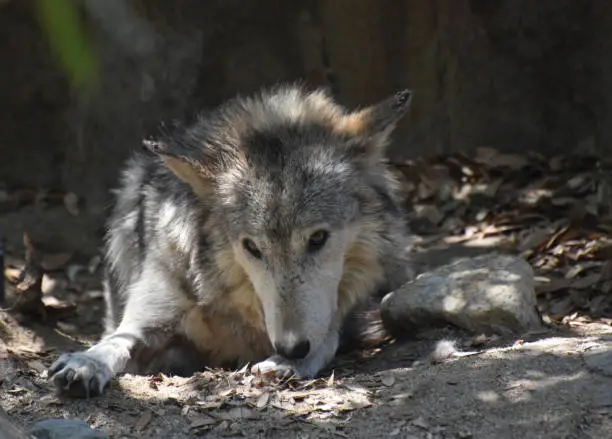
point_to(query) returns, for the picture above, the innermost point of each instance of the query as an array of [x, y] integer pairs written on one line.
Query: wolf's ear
[[371, 127], [183, 166]]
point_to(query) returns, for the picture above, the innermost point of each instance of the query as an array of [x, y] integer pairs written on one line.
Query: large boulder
[[491, 293]]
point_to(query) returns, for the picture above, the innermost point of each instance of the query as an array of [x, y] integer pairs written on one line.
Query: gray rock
[[8, 430], [600, 360], [488, 293], [65, 429]]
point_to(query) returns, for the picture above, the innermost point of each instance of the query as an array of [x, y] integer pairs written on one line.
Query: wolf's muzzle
[[295, 351]]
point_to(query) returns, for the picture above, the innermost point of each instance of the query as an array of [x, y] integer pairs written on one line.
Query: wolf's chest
[[230, 329]]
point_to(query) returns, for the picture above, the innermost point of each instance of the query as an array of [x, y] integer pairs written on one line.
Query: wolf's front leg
[[307, 367], [148, 311]]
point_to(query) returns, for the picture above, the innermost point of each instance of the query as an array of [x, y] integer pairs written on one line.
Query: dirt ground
[[553, 384], [531, 386]]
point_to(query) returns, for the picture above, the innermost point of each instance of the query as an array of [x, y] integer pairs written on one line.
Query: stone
[[8, 430], [600, 360], [65, 429], [491, 293]]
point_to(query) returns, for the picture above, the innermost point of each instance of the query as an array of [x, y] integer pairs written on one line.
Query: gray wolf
[[248, 236]]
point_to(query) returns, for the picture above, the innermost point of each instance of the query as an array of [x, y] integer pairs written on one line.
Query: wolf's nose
[[293, 352]]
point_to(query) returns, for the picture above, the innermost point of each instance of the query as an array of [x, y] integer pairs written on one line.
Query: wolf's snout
[[293, 351]]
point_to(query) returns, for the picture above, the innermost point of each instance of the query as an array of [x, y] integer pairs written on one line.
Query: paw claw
[[79, 375], [276, 366]]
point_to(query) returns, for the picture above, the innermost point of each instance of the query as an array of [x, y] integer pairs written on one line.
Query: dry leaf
[[576, 182], [606, 270], [429, 212], [402, 396], [477, 340], [263, 399], [387, 378], [578, 297], [330, 381], [71, 202], [239, 413], [446, 350], [50, 400], [534, 238], [325, 407], [40, 199], [73, 270], [492, 188], [574, 271], [12, 274], [563, 201], [37, 365], [207, 405], [55, 261], [587, 281], [203, 421], [558, 236], [597, 303], [358, 404], [556, 163], [559, 308], [493, 158], [143, 420], [94, 264], [556, 284], [302, 395], [55, 303], [421, 423]]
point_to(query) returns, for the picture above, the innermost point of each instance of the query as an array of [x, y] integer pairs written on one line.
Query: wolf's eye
[[317, 240], [250, 246]]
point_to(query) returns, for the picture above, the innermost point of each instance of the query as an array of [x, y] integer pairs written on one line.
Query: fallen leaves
[[41, 198], [217, 399], [553, 211], [46, 285], [27, 290]]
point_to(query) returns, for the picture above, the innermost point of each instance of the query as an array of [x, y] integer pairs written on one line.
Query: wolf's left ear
[[371, 127], [184, 166]]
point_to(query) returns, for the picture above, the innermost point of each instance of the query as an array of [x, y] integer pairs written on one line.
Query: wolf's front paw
[[79, 375], [278, 366]]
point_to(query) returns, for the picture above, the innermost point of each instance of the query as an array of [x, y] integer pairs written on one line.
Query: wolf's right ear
[[182, 165]]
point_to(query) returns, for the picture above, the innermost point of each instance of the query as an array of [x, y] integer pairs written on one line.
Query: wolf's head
[[291, 181]]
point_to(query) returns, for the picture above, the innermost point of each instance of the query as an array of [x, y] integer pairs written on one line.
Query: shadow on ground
[[539, 389]]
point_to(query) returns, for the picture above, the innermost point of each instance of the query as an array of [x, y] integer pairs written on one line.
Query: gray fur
[[183, 291]]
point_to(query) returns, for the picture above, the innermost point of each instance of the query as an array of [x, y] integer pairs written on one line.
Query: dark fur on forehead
[[220, 139], [261, 134]]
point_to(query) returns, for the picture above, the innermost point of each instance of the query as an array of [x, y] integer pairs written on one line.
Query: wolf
[[249, 236]]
